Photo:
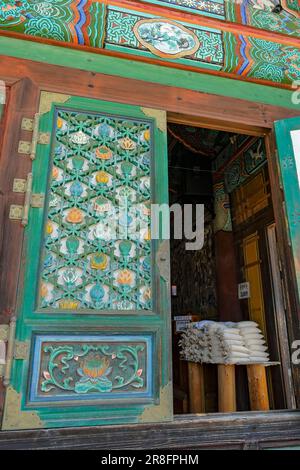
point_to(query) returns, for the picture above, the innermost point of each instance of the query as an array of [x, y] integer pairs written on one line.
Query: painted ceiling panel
[[282, 16], [145, 36]]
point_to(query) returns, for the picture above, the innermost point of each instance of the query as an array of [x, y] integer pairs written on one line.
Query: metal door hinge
[[9, 338], [21, 350], [43, 138], [14, 349], [35, 200], [4, 329], [27, 124], [19, 185]]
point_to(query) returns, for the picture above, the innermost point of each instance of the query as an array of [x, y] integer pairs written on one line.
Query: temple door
[[288, 144], [90, 341]]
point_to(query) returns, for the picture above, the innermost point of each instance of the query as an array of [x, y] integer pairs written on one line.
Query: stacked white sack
[[213, 342], [223, 343], [236, 350], [193, 345], [254, 341]]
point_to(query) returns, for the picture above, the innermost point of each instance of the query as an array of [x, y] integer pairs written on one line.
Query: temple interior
[[228, 173]]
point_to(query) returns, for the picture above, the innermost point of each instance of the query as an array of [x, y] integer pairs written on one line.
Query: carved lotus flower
[[75, 216], [99, 261], [55, 172], [49, 228], [68, 304], [96, 366], [147, 135], [79, 138], [127, 144], [43, 290], [102, 177], [125, 277], [103, 152]]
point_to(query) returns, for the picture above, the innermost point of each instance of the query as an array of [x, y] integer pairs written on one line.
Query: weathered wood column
[[196, 388], [258, 388], [226, 388]]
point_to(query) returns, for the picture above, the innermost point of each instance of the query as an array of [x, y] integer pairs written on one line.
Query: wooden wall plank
[[123, 90], [80, 59], [22, 102], [217, 431]]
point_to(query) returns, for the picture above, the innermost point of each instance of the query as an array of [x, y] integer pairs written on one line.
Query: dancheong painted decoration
[[162, 35], [94, 311], [166, 39], [97, 248], [106, 367]]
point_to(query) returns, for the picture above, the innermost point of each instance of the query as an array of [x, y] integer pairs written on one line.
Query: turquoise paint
[[82, 60], [290, 181], [31, 321]]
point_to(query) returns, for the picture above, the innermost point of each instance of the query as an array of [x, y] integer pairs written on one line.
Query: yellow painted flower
[[99, 261], [49, 227], [147, 235], [68, 304], [103, 152], [127, 144], [147, 294], [59, 123], [147, 135], [55, 172], [44, 290], [125, 277], [102, 177], [75, 216]]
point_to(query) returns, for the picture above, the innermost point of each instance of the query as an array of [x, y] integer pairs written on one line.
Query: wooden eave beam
[[202, 20]]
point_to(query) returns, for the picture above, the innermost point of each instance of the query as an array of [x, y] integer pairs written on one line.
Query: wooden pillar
[[258, 389], [226, 388], [226, 272], [196, 388]]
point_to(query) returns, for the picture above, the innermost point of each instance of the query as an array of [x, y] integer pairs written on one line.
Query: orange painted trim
[[88, 22], [292, 12], [53, 42], [199, 20], [250, 59], [76, 19]]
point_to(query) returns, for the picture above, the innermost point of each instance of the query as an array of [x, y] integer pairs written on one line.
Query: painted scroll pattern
[[162, 38], [97, 248], [66, 367], [271, 61], [257, 13], [49, 19], [215, 8], [84, 368], [143, 34]]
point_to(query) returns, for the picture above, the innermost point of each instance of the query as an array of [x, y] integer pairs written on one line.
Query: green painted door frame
[[288, 143], [87, 360], [127, 68]]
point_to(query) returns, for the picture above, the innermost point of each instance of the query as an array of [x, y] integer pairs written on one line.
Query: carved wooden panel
[[68, 367], [97, 247]]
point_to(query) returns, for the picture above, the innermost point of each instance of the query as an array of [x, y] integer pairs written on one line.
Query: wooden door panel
[[288, 143], [93, 314]]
